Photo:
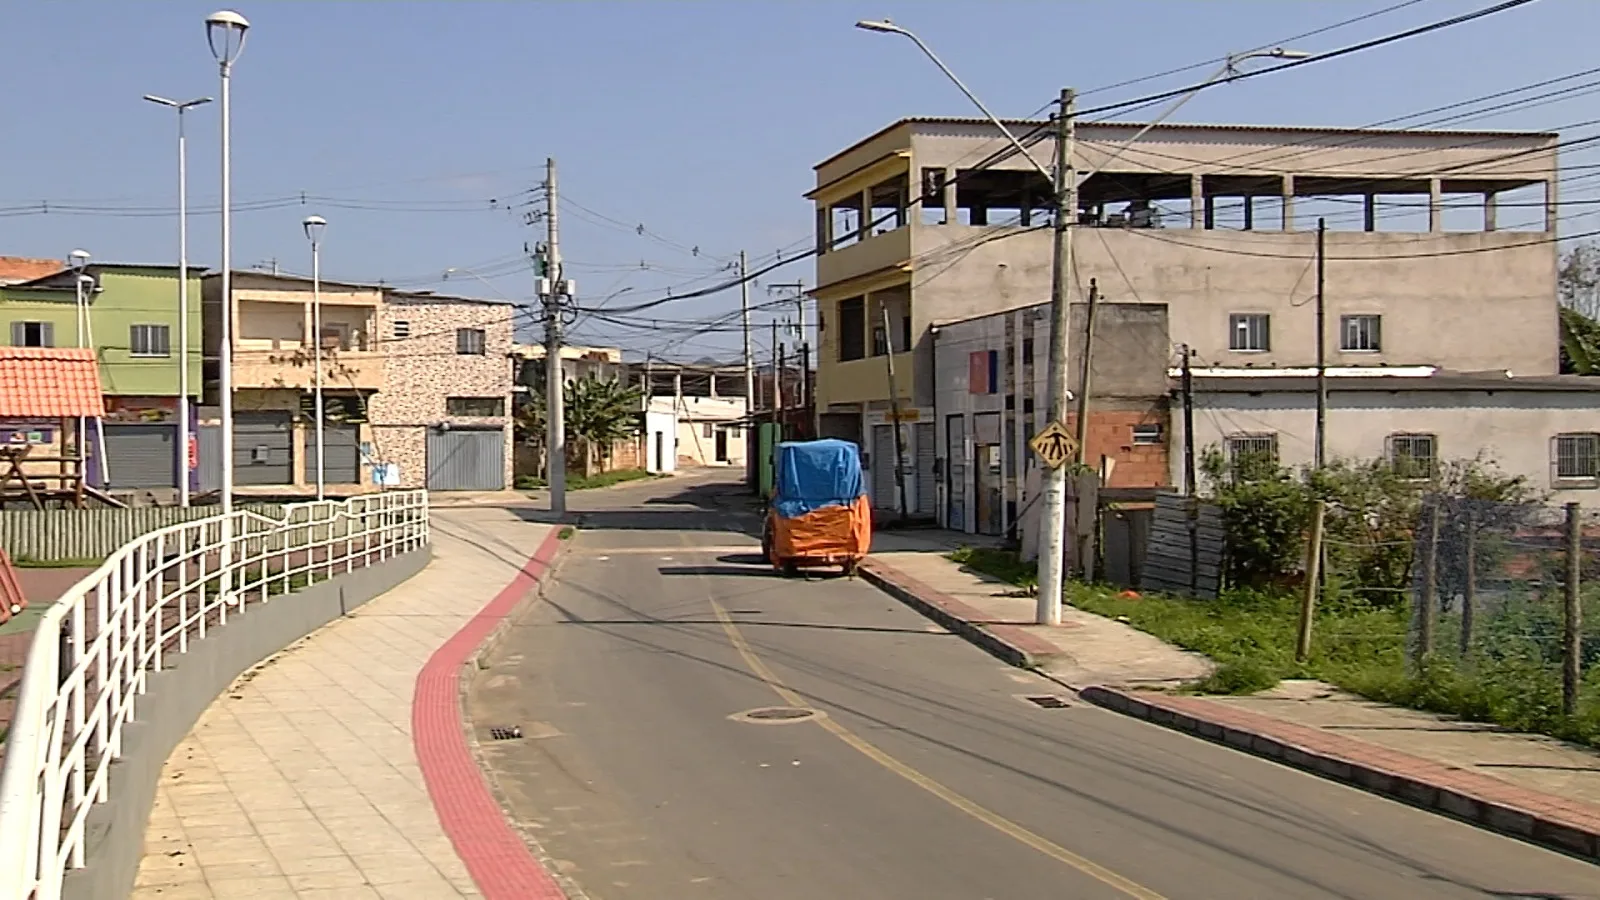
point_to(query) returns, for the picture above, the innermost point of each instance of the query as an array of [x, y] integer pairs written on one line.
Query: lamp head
[[1282, 53], [885, 26], [78, 259], [313, 226], [225, 32]]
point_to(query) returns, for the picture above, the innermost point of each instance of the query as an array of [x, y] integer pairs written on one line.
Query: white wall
[[1513, 428]]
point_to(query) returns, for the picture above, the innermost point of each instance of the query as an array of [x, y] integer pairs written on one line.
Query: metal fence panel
[[1171, 560], [52, 535]]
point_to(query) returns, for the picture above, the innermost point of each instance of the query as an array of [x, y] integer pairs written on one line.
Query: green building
[[133, 324]]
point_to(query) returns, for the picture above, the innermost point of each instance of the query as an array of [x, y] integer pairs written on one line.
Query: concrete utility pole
[[555, 412], [1053, 517], [894, 416], [744, 313], [1087, 366], [1320, 456]]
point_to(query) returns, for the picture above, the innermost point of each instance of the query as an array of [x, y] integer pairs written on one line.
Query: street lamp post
[[225, 31], [81, 283], [184, 427], [313, 226]]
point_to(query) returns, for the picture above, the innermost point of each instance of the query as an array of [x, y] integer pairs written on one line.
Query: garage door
[[465, 460], [263, 448], [927, 459], [142, 455], [883, 467], [343, 445]]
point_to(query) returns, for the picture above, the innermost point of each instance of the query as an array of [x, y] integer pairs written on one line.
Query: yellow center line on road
[[992, 819]]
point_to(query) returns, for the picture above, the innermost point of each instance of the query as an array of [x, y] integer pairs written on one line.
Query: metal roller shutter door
[[956, 462], [466, 460], [263, 447], [343, 445], [927, 457], [883, 467], [142, 455]]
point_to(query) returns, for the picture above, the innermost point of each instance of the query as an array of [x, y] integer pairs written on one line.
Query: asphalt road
[[920, 773]]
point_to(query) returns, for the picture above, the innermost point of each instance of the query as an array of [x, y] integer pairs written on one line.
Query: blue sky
[[698, 120]]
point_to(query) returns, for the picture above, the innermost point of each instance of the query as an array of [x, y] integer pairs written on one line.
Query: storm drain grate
[[781, 712], [1048, 701], [504, 733]]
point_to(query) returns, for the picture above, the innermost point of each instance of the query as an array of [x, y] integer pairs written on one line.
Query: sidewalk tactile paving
[[302, 779]]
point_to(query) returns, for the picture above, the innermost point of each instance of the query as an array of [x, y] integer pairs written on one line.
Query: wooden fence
[[1175, 564]]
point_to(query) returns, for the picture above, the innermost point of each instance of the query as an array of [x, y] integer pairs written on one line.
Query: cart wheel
[[766, 544], [850, 569], [790, 570]]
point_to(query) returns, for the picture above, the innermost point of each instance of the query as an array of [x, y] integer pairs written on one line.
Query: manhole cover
[[503, 733], [1048, 701], [776, 715]]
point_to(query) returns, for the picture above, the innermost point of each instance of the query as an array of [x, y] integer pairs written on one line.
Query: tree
[[600, 413], [1578, 279]]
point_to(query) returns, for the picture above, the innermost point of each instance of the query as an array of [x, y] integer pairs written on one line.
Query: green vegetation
[[606, 479], [28, 562], [529, 482], [566, 533], [1510, 679]]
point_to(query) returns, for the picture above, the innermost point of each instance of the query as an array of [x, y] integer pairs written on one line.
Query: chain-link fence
[[1508, 593]]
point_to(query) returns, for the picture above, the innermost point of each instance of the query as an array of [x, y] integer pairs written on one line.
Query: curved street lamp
[[225, 31]]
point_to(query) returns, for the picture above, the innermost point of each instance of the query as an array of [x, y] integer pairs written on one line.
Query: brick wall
[[423, 368], [1111, 434]]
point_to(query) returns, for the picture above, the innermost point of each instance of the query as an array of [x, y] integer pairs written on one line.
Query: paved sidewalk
[[1084, 649], [302, 779]]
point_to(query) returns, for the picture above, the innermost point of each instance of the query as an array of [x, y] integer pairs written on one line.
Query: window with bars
[[402, 329], [481, 407], [1414, 455], [1360, 333], [1147, 433], [1249, 332], [149, 340], [1576, 458], [1252, 455], [470, 342]]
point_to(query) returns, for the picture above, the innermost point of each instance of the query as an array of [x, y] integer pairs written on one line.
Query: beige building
[[416, 387], [1216, 222], [1545, 429]]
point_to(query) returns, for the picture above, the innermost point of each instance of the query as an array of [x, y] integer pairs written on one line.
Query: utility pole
[[1320, 454], [1190, 489], [1083, 380], [777, 388], [744, 313], [555, 412], [894, 415], [1053, 516]]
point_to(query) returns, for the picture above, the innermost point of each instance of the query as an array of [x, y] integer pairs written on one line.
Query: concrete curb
[[559, 553], [1007, 642], [1538, 818]]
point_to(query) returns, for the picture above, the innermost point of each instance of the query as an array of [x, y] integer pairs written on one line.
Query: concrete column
[[1369, 210], [866, 214], [1435, 207], [713, 384], [1197, 201], [1489, 210], [1249, 213], [1550, 206], [1288, 202], [1211, 213], [824, 227], [950, 196]]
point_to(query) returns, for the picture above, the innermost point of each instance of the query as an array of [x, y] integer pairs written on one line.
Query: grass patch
[[1512, 680], [83, 562], [528, 482], [566, 533]]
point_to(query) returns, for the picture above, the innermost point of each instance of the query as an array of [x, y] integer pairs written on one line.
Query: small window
[[149, 340], [402, 329], [880, 343], [1414, 455], [479, 407], [708, 430], [1249, 332], [470, 342], [33, 334], [1027, 351], [852, 329], [1150, 433], [1360, 334], [1248, 453], [733, 432], [1577, 458]]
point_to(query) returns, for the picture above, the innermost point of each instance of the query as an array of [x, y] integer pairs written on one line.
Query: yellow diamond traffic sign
[[1054, 445]]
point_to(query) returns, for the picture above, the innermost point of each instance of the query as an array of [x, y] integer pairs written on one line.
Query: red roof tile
[[22, 268], [49, 383]]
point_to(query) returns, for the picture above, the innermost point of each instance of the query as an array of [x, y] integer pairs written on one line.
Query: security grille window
[[1577, 458], [1360, 333], [1413, 455], [852, 329], [880, 343], [480, 407], [402, 329], [33, 334], [1147, 434], [1249, 331], [149, 340], [470, 342], [1251, 453]]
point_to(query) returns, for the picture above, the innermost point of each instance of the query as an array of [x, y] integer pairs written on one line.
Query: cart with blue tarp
[[818, 514]]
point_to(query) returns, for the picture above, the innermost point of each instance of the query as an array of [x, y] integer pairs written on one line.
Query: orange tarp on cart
[[830, 533]]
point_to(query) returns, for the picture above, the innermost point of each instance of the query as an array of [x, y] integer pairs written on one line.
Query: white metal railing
[[94, 649]]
